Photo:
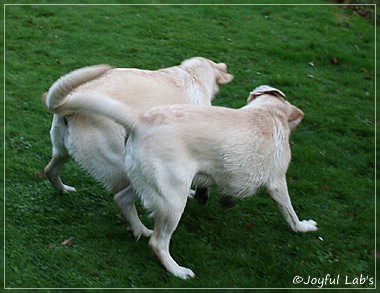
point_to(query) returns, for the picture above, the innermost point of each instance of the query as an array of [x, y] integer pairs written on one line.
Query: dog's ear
[[44, 96], [264, 89], [295, 116], [223, 76]]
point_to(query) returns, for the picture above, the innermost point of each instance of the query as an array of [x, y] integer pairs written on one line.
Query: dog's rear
[[55, 97], [100, 104], [63, 86]]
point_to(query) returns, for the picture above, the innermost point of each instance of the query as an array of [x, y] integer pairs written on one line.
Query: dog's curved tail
[[58, 92], [100, 104]]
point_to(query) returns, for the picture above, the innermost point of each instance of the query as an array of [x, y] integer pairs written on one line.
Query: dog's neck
[[199, 79]]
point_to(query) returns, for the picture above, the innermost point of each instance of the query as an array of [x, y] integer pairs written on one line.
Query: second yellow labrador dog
[[236, 150], [96, 142]]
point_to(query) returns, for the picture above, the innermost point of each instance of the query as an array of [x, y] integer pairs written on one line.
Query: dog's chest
[[243, 176]]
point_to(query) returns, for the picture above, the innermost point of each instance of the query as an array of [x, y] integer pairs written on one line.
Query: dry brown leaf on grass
[[249, 226], [334, 60], [324, 188], [39, 174], [68, 242]]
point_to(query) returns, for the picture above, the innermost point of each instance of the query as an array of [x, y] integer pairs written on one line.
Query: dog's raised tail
[[100, 104], [62, 87]]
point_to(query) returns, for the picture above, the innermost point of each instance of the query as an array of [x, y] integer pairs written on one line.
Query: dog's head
[[208, 72], [294, 115]]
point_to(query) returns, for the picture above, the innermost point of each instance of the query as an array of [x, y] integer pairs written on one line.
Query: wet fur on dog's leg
[[125, 201], [278, 189]]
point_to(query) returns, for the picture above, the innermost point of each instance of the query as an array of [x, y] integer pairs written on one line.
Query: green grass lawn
[[331, 177]]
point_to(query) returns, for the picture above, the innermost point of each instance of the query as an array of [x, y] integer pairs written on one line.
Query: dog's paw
[[146, 232], [307, 226], [183, 273], [67, 189], [136, 234]]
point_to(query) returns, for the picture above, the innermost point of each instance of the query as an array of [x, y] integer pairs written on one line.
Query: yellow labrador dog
[[96, 142], [236, 150]]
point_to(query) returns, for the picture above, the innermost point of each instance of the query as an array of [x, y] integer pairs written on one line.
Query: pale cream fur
[[235, 150], [96, 142]]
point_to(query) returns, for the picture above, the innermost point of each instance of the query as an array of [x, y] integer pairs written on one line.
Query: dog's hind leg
[[278, 189], [52, 171], [167, 216], [60, 155], [125, 201]]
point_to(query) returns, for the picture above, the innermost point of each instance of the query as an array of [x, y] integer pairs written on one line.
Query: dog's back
[[140, 89], [234, 149]]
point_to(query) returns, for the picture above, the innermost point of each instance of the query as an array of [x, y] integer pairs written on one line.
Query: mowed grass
[[331, 177]]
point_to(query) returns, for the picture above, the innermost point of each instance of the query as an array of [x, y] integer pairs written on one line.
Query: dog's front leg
[[125, 201], [278, 189]]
